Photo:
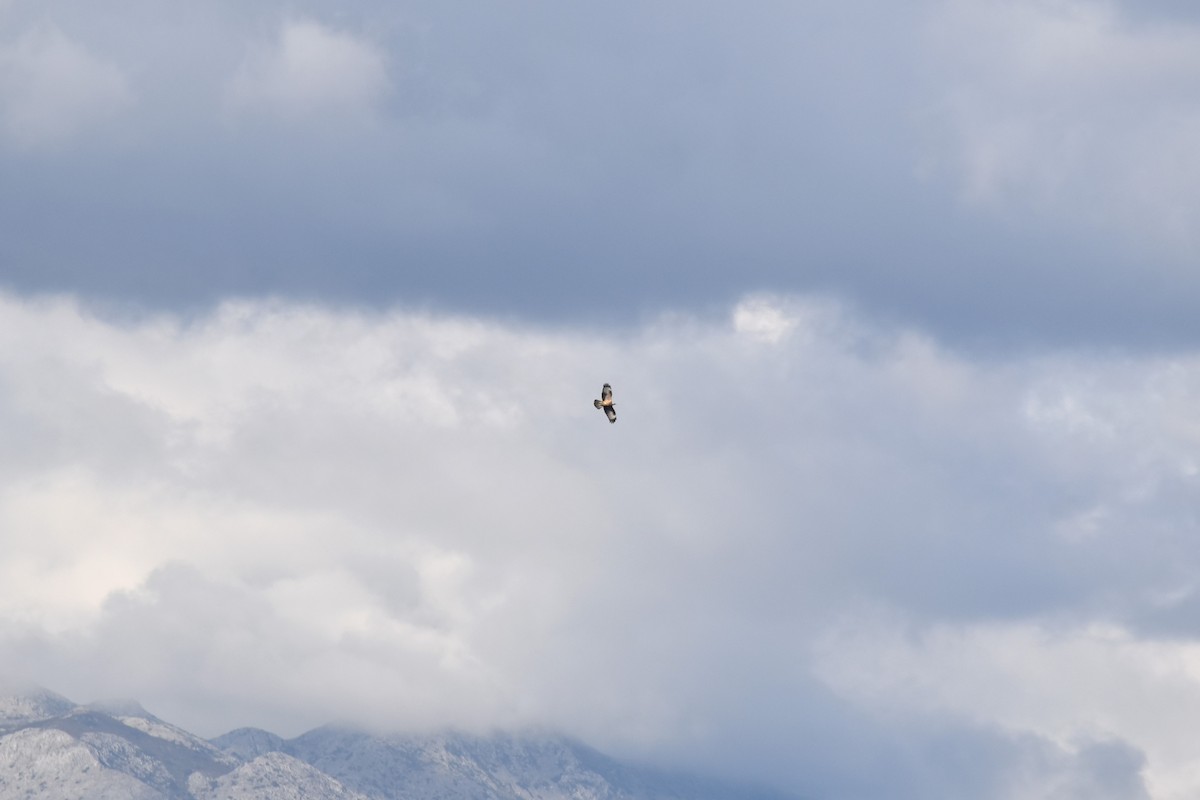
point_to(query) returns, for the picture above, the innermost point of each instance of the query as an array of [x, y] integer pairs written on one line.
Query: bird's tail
[[597, 404]]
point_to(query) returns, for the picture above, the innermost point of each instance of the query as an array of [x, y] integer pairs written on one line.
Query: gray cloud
[[556, 161], [52, 91], [1045, 93]]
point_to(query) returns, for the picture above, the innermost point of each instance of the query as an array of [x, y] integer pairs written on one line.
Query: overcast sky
[[303, 307]]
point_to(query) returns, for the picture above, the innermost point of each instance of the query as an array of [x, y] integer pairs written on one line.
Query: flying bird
[[606, 402]]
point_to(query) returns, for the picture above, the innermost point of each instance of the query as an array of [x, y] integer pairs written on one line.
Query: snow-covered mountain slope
[[23, 704], [496, 767], [52, 765], [162, 763], [52, 749], [249, 743]]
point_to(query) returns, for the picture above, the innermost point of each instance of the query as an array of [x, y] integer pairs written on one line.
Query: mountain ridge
[[54, 749]]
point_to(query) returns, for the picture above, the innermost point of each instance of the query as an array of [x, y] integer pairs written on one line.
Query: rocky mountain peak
[[24, 703]]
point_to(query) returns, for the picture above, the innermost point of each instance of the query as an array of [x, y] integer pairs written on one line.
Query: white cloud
[[1074, 109], [424, 519], [53, 90], [761, 320], [311, 70]]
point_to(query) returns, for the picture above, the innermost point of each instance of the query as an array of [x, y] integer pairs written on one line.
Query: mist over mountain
[[54, 749]]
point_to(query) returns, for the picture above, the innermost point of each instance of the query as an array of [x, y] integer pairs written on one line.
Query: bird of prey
[[606, 402]]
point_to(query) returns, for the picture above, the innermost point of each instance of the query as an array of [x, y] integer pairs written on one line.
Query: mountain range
[[54, 749]]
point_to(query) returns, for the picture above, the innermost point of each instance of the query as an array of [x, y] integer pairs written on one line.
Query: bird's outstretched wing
[[606, 395], [611, 413]]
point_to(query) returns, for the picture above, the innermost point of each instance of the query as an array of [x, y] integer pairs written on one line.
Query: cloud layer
[[811, 542], [925, 503], [996, 170]]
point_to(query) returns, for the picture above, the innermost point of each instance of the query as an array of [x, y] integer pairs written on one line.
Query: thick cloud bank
[[1004, 169], [815, 550]]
